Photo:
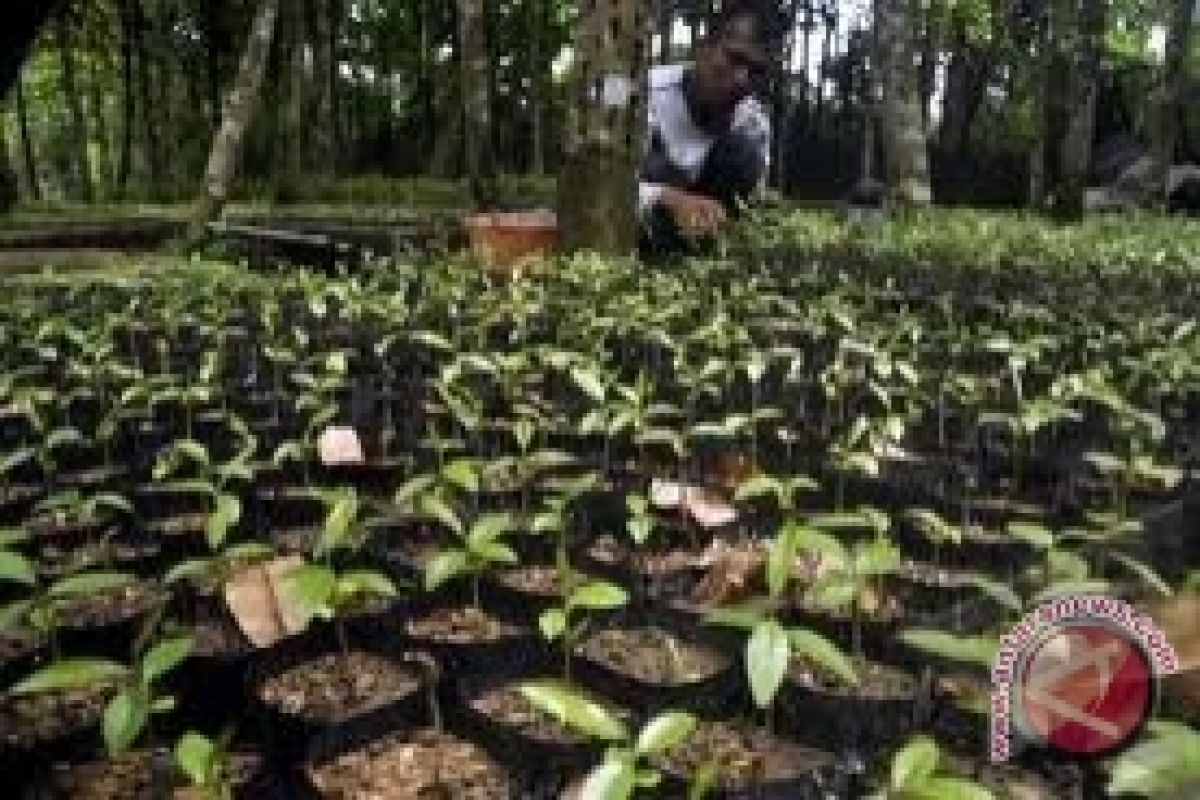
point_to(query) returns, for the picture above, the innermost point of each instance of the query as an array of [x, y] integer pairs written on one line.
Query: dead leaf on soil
[[259, 605]]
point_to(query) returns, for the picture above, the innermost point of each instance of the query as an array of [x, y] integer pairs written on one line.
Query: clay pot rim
[[513, 220]]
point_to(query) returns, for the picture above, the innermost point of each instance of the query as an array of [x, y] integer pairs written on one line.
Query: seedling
[[137, 695], [479, 548], [625, 768], [771, 645], [558, 623], [916, 775], [43, 611], [205, 764]]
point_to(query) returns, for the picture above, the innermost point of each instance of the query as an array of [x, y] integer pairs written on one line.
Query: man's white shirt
[[686, 144]]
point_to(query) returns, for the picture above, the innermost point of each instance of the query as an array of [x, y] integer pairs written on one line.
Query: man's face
[[731, 65]]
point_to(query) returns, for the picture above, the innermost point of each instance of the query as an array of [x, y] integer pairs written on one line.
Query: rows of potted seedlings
[[750, 528]]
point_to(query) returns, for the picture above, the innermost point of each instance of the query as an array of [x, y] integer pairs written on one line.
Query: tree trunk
[[297, 81], [477, 104], [125, 160], [336, 131], [1169, 103], [783, 103], [906, 159], [9, 188], [151, 153], [240, 107], [427, 112], [1081, 124], [966, 78], [605, 131], [538, 35], [31, 171], [105, 166], [80, 167], [213, 41], [323, 148]]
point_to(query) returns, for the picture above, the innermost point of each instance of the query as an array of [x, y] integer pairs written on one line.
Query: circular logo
[[1086, 688]]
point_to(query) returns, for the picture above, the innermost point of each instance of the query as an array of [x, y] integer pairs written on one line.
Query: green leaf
[[744, 617], [227, 513], [598, 595], [190, 570], [310, 587], [575, 711], [444, 566], [16, 458], [463, 473], [365, 582], [980, 650], [164, 657], [494, 553], [759, 484], [124, 719], [72, 673], [704, 780], [915, 763], [1002, 593], [62, 437], [488, 528], [289, 451], [90, 583], [114, 502], [11, 536], [16, 568], [1031, 533], [435, 507], [613, 780], [552, 623], [944, 787], [768, 652], [589, 383], [196, 757], [1143, 571], [665, 732], [935, 529], [1167, 763], [823, 653]]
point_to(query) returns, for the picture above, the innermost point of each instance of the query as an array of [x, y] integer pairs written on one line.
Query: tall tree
[[1076, 158], [539, 36], [906, 157], [9, 188], [128, 95], [605, 129], [27, 152], [475, 78], [1169, 100], [241, 105], [81, 170]]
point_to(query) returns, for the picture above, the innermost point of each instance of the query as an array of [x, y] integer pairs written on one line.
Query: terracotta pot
[[506, 241]]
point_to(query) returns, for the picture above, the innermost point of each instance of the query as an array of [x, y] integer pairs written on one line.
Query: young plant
[[771, 645], [558, 623], [1164, 767], [15, 567], [916, 775], [43, 611], [205, 764], [220, 482], [137, 698], [626, 767], [479, 549]]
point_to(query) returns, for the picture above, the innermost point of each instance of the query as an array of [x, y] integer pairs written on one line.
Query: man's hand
[[693, 213]]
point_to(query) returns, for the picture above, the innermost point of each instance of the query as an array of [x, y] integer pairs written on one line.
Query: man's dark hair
[[770, 21]]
